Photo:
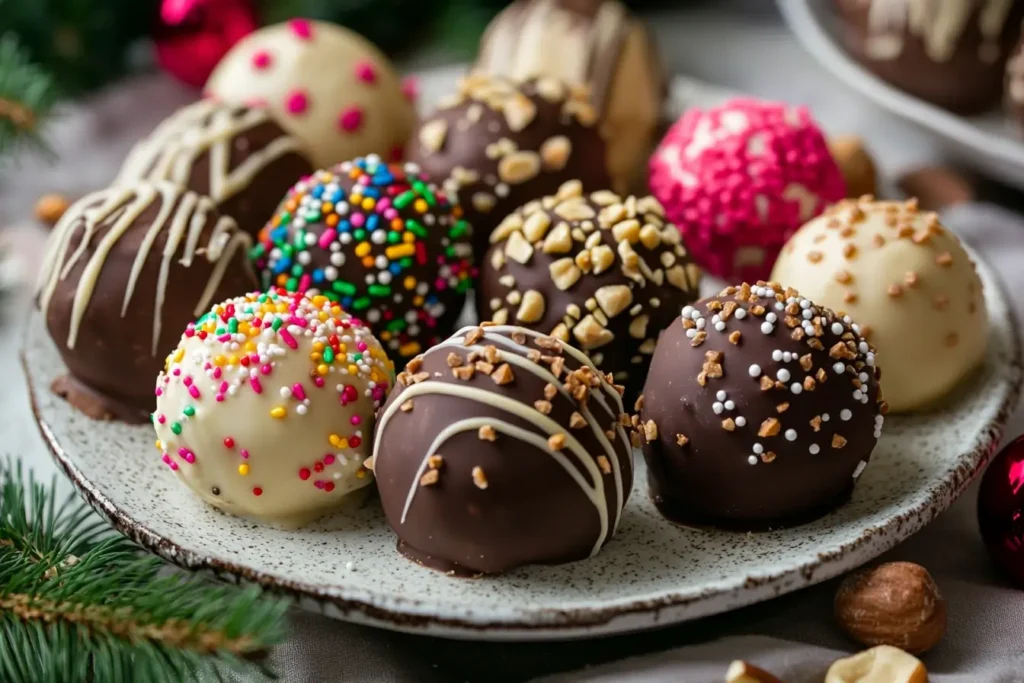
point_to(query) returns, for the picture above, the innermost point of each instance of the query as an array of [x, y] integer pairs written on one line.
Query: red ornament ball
[[1001, 509], [739, 179], [193, 35]]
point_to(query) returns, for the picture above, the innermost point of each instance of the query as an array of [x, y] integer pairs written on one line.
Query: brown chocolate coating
[[190, 148], [763, 453], [113, 329], [513, 417], [603, 273], [962, 72], [498, 144]]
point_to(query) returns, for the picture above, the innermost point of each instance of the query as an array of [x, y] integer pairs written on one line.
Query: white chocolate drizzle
[[109, 215], [205, 127], [939, 24], [544, 425]]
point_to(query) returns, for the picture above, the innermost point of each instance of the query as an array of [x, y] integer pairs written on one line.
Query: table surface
[[737, 43]]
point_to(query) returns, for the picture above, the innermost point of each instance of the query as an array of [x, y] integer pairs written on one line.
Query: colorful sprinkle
[[296, 102], [303, 30], [261, 60], [350, 119], [366, 72]]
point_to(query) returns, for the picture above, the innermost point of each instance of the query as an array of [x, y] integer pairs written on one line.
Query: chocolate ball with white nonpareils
[[761, 409]]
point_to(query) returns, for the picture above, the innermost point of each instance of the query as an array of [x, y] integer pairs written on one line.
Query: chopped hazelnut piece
[[484, 367], [782, 407], [735, 337], [766, 383], [768, 456], [454, 360], [487, 433], [503, 375], [464, 372], [681, 440], [650, 431], [698, 339], [429, 478], [406, 406], [602, 462], [577, 421], [475, 335], [945, 259], [769, 427], [435, 461], [809, 383], [556, 442], [838, 441], [729, 424], [478, 478], [816, 423]]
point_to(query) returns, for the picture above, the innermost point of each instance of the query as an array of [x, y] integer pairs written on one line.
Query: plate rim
[[818, 41], [629, 615]]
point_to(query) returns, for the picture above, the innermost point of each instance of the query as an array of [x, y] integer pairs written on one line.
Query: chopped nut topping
[[542, 406], [650, 431], [766, 383], [895, 291], [406, 406], [816, 423], [435, 461], [698, 338], [503, 375], [844, 277], [420, 377], [478, 478], [945, 259], [681, 440], [602, 462], [484, 367], [850, 251], [639, 404], [429, 478], [841, 351], [768, 456], [548, 344], [735, 336], [464, 372], [475, 335], [729, 425], [769, 427], [577, 421], [782, 407], [487, 433], [815, 256], [556, 442], [821, 376], [838, 441], [809, 383], [454, 360]]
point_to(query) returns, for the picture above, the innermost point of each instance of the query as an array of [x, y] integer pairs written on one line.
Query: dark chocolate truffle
[[603, 273], [125, 270], [381, 240], [949, 52], [238, 156], [761, 408], [1015, 83], [502, 447], [598, 43], [499, 143]]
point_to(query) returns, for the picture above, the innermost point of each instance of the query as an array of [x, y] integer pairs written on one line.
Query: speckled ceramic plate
[[653, 573], [990, 142]]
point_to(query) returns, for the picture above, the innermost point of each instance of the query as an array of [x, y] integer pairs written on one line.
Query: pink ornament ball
[[739, 179]]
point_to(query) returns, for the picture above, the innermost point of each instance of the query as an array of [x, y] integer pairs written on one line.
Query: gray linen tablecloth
[[737, 43]]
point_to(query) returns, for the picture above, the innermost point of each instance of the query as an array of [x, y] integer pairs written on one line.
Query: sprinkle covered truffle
[[602, 272], [740, 178], [531, 463], [381, 240], [268, 399], [776, 428], [910, 284]]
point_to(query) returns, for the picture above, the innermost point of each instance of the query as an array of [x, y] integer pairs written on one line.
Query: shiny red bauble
[[193, 35], [1001, 509]]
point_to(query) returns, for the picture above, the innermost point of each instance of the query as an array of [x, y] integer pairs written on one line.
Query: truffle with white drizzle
[[599, 271], [502, 447], [238, 156], [910, 284], [125, 269], [948, 52], [761, 409]]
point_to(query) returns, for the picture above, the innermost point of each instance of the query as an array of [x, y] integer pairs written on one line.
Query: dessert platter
[[959, 73], [511, 368]]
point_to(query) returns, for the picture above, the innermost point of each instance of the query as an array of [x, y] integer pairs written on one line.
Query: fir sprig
[[27, 97], [78, 603]]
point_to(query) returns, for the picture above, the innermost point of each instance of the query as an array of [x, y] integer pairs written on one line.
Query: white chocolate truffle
[[326, 85], [266, 407], [909, 284]]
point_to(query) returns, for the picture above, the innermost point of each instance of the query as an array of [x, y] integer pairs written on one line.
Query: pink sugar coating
[[261, 60], [722, 175], [296, 102], [366, 72], [302, 28]]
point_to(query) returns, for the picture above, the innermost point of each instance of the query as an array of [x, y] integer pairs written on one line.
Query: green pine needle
[[27, 98], [79, 603]]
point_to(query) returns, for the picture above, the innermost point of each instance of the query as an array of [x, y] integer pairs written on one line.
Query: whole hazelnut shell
[[895, 604]]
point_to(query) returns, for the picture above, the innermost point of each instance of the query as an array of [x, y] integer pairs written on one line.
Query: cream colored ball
[[266, 408], [909, 284], [326, 85]]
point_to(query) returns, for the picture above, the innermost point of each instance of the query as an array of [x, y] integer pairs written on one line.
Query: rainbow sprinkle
[[379, 239], [243, 340]]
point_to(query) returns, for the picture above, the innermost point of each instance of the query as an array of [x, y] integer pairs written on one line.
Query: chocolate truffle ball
[[380, 239], [603, 273], [238, 156], [125, 269], [1015, 84], [597, 43], [907, 281], [498, 144], [502, 447], [761, 409], [328, 86], [266, 406], [948, 52], [740, 178]]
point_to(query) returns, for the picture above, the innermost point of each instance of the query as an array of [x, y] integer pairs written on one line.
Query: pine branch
[[27, 98], [79, 603]]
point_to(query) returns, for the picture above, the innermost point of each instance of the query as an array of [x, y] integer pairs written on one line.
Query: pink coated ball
[[739, 179]]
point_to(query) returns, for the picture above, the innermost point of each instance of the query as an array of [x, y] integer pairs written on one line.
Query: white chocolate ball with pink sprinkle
[[326, 85], [266, 408], [739, 179]]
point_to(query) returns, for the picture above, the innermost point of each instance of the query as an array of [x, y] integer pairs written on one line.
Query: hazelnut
[[855, 164], [895, 604], [881, 664], [744, 672]]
